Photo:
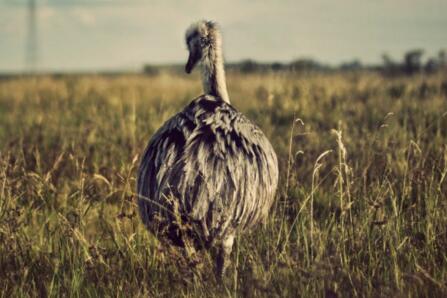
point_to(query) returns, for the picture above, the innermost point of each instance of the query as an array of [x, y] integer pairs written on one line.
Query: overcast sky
[[123, 34]]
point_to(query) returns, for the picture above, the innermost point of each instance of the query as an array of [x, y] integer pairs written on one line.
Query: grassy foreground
[[361, 208]]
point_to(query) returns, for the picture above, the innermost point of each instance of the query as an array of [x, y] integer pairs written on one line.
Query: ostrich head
[[201, 39]]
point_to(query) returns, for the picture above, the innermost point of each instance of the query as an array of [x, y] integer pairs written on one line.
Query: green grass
[[361, 208]]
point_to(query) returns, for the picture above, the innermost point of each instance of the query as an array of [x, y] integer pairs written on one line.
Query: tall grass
[[361, 209]]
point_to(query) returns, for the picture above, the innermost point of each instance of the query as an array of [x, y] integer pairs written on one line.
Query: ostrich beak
[[192, 61]]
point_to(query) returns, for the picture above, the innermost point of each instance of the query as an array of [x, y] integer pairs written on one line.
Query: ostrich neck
[[213, 74]]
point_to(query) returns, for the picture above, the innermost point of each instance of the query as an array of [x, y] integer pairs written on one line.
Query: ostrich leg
[[223, 257]]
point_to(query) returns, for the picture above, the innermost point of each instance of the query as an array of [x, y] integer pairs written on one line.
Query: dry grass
[[361, 208]]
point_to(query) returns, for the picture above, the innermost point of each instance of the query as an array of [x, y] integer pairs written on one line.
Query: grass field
[[361, 208]]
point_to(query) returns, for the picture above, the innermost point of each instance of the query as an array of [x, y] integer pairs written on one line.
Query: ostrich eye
[[204, 41]]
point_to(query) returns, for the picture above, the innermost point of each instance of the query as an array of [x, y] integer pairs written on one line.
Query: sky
[[78, 35]]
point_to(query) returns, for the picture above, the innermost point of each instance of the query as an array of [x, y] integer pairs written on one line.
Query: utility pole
[[31, 42]]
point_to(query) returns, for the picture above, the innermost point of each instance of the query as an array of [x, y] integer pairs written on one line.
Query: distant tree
[[150, 70], [387, 60], [352, 65], [390, 67], [442, 59], [437, 63], [432, 65], [249, 66], [305, 65], [276, 66], [412, 61]]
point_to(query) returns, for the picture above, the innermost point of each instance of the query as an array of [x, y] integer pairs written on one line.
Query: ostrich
[[208, 173]]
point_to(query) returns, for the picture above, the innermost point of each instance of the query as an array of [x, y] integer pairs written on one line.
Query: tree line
[[411, 63]]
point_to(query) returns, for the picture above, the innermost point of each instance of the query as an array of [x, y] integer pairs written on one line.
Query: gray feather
[[215, 162]]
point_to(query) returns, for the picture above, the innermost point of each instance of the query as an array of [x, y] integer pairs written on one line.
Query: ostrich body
[[208, 173]]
